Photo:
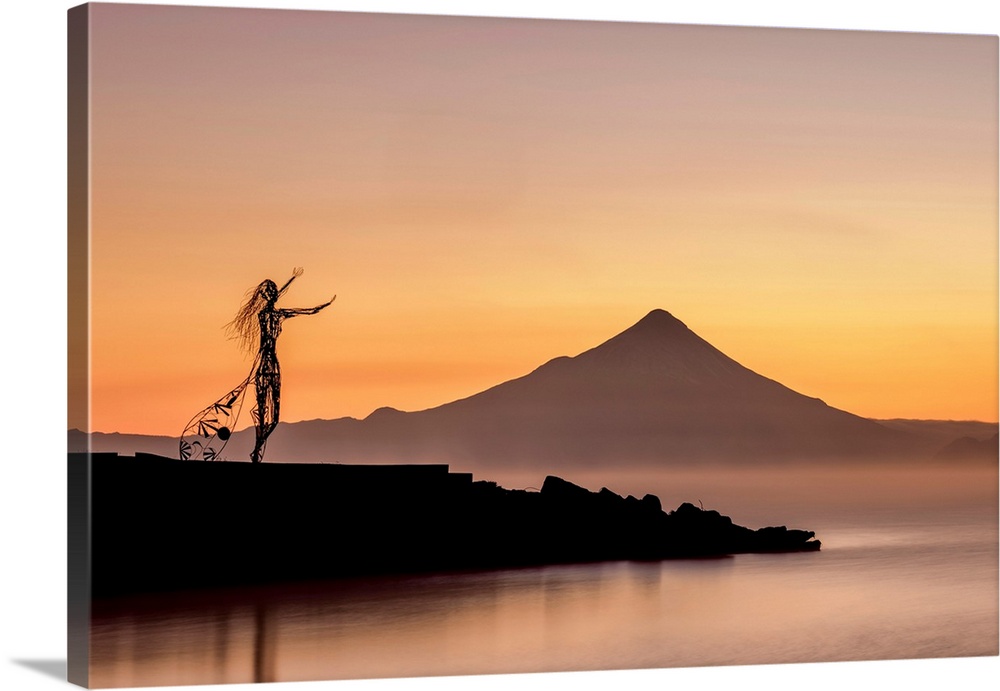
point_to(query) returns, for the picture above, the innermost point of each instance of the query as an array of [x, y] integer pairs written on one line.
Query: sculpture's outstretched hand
[[296, 272]]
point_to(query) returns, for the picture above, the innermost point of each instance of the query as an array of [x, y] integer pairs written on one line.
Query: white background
[[33, 400]]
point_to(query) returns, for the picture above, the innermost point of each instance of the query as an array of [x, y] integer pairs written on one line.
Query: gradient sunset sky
[[486, 194]]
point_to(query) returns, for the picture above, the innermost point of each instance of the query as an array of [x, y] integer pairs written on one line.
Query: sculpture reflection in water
[[256, 328]]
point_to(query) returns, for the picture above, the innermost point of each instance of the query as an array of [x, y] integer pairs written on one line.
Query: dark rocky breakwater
[[160, 524]]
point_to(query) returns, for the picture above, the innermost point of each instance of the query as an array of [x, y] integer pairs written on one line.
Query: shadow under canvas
[[50, 668]]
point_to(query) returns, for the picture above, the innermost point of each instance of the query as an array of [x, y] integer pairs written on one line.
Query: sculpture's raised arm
[[296, 311], [296, 272]]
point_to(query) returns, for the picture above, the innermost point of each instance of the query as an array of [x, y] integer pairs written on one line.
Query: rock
[[651, 501]]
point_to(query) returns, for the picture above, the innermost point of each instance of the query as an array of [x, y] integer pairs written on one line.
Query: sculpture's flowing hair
[[245, 328]]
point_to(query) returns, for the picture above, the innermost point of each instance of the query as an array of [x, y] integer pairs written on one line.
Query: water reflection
[[263, 644], [920, 581], [221, 647], [600, 616]]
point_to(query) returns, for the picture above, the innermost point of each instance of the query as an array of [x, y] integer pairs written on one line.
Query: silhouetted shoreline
[[161, 524]]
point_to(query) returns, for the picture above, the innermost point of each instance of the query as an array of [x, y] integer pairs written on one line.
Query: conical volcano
[[663, 347], [655, 393]]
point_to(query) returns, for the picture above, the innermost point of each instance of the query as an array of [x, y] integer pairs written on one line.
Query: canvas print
[[410, 346]]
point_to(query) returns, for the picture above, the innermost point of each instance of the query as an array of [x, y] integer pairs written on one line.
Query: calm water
[[908, 569]]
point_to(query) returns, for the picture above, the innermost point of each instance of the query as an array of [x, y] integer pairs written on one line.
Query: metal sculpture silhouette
[[256, 327]]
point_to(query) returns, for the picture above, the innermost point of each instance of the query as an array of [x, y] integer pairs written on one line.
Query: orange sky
[[484, 195]]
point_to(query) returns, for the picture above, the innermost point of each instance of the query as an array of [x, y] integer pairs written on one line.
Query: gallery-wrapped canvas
[[413, 346]]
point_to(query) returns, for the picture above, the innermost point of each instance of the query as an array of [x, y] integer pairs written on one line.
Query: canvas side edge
[[78, 345]]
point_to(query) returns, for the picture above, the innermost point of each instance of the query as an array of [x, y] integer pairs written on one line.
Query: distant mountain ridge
[[655, 393], [971, 449]]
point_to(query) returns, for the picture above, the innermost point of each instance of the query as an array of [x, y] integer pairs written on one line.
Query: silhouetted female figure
[[259, 322], [256, 326]]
